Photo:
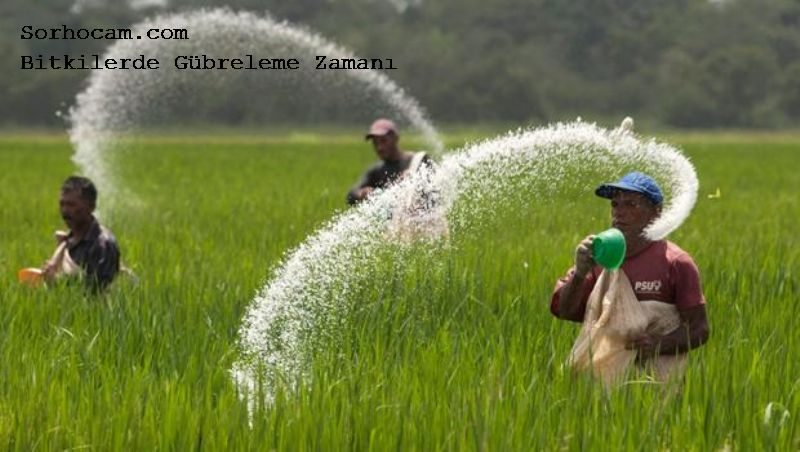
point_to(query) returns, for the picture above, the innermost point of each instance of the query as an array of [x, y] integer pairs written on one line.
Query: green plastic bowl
[[608, 248]]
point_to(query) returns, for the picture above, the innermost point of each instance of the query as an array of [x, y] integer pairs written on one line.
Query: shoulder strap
[[416, 161]]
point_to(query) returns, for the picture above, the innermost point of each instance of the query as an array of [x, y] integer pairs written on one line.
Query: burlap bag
[[419, 214], [66, 266], [613, 317]]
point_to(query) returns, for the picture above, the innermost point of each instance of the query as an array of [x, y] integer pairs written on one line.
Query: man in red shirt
[[658, 270]]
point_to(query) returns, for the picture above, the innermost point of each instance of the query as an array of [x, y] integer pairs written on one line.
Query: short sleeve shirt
[[98, 255], [382, 174], [661, 272]]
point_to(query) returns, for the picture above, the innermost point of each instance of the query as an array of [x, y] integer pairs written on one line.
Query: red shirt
[[661, 272]]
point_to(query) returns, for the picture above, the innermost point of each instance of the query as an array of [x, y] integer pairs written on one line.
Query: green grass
[[463, 355]]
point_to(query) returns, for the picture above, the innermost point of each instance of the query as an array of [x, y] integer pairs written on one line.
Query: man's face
[[385, 145], [631, 212], [75, 210]]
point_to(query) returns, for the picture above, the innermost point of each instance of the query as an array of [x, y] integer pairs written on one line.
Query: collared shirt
[[662, 272], [97, 254]]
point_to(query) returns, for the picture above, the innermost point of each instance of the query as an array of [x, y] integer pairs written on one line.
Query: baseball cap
[[380, 128], [635, 182]]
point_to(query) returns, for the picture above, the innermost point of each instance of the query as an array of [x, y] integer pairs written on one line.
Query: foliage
[[687, 63], [458, 352]]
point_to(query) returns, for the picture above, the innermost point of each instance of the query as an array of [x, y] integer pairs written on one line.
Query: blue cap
[[636, 182]]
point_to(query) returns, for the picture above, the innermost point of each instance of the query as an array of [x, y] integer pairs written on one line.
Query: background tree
[[683, 63]]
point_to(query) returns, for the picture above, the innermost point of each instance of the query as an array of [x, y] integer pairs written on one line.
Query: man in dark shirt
[[394, 164], [89, 249]]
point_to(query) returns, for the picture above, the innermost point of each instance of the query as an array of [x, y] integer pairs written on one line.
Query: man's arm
[[359, 194], [571, 296], [362, 189], [570, 304], [51, 266], [692, 333]]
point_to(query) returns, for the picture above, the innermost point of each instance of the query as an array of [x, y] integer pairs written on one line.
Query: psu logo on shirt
[[648, 286]]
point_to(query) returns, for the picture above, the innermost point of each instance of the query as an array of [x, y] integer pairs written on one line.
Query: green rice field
[[459, 355]]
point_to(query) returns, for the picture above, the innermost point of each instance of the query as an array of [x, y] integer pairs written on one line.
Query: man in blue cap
[[658, 270]]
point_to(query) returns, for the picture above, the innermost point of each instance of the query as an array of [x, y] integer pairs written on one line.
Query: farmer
[[394, 165], [657, 270], [89, 250]]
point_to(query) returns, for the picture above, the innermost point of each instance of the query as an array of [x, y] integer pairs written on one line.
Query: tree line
[[679, 63]]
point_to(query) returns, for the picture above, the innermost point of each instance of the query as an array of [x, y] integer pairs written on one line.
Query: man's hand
[[571, 303], [692, 333], [49, 270], [364, 193], [583, 257], [646, 345]]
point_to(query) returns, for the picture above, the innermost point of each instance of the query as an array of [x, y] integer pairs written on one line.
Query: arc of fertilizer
[[116, 102], [299, 309]]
